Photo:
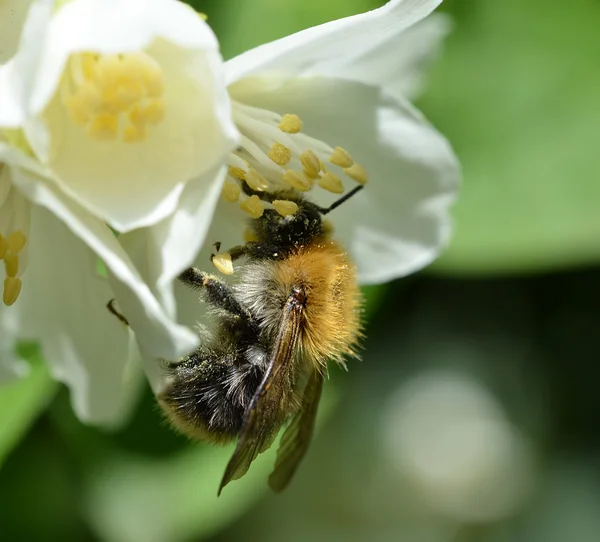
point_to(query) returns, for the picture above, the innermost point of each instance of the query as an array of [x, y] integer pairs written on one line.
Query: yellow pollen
[[250, 236], [3, 246], [331, 182], [11, 264], [231, 192], [300, 182], [358, 173], [285, 207], [311, 163], [223, 263], [290, 124], [12, 289], [280, 154], [341, 157], [16, 241], [237, 173], [256, 181], [115, 96], [203, 16]]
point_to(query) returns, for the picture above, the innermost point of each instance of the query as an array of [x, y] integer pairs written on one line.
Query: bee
[[295, 305]]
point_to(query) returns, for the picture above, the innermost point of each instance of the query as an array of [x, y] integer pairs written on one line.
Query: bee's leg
[[218, 293], [254, 250]]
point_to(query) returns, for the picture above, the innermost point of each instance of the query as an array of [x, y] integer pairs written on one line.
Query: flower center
[[11, 248], [276, 155], [114, 97]]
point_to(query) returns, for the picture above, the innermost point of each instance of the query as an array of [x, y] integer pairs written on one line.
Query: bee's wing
[[265, 415], [296, 438]]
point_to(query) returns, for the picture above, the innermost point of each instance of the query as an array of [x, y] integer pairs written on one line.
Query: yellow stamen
[[290, 124], [332, 183], [3, 246], [203, 16], [12, 289], [298, 181], [114, 97], [256, 181], [310, 162], [341, 157], [16, 241], [250, 236], [285, 207], [237, 173], [280, 154], [231, 192], [223, 263], [253, 206], [11, 264], [358, 173]]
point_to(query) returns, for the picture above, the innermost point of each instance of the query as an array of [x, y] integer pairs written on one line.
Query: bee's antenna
[[337, 203]]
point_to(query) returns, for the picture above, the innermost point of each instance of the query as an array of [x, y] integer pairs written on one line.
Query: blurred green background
[[475, 414]]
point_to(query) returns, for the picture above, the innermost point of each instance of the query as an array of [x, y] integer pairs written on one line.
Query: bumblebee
[[295, 305]]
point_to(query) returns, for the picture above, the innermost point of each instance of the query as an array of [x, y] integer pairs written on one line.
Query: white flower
[[113, 117], [323, 110]]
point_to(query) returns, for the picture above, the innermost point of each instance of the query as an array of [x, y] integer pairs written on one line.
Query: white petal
[[63, 305], [154, 330], [12, 17], [128, 184], [330, 43], [163, 251], [400, 221], [397, 64], [18, 75], [92, 25]]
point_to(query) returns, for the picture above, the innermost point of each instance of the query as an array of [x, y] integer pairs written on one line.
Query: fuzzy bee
[[295, 305]]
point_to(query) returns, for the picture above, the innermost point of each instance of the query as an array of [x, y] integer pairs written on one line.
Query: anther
[[358, 173], [297, 180], [12, 289], [256, 181], [285, 207], [280, 154], [237, 173], [331, 182], [253, 206], [290, 124], [16, 241], [231, 192], [223, 263], [310, 162], [341, 157], [11, 264], [3, 246]]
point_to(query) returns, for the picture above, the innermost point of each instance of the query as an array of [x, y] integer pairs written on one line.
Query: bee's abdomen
[[207, 395]]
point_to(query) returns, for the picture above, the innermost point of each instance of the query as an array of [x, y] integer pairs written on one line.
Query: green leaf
[[517, 93], [23, 400]]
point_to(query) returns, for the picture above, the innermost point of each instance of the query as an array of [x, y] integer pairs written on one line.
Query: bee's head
[[292, 230]]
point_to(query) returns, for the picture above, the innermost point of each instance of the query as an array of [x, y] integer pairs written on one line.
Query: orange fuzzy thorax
[[331, 325]]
